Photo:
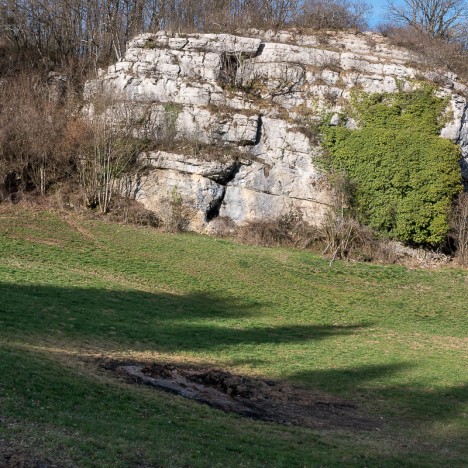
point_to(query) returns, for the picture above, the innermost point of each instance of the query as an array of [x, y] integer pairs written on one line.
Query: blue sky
[[379, 11]]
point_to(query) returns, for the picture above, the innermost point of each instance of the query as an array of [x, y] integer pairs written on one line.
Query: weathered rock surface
[[255, 99]]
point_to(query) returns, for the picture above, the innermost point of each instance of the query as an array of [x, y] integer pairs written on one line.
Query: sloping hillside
[[79, 295]]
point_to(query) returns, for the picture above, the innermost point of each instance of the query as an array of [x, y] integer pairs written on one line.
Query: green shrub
[[405, 176]]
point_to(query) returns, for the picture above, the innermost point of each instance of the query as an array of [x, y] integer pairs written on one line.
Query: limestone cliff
[[241, 111]]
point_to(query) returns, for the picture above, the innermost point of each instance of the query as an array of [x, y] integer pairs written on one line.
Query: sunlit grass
[[392, 339]]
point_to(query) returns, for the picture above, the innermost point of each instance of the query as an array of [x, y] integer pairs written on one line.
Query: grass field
[[73, 292]]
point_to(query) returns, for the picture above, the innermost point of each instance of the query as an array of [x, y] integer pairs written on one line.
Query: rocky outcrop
[[251, 103]]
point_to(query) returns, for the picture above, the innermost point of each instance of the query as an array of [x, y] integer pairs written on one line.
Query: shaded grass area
[[392, 339], [96, 422]]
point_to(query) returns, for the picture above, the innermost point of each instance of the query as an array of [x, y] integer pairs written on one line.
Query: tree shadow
[[161, 321], [414, 404], [165, 322]]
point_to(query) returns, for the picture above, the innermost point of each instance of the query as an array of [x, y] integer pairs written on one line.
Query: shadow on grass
[[202, 322], [97, 424], [161, 321], [413, 404]]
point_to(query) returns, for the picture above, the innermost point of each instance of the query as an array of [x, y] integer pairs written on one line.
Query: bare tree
[[334, 14], [459, 228], [279, 12], [437, 18], [32, 127], [87, 34], [107, 148]]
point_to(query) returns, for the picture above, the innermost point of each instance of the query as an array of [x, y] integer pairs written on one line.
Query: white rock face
[[161, 190], [251, 100], [457, 129]]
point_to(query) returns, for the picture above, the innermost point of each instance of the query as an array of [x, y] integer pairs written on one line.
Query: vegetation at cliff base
[[75, 293], [403, 175]]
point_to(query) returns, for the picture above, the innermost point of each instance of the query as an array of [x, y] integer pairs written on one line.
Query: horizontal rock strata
[[254, 101]]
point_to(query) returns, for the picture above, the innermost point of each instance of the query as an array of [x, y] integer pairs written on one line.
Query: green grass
[[392, 339]]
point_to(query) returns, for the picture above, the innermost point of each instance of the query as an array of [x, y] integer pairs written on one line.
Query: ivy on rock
[[404, 175]]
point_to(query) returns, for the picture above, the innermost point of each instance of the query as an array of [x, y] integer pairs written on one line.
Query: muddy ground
[[256, 398], [266, 400]]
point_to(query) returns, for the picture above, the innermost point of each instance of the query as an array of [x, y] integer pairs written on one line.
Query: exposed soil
[[267, 400]]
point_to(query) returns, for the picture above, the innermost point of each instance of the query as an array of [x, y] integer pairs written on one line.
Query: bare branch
[[437, 18]]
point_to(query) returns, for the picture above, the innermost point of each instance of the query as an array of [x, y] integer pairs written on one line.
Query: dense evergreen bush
[[404, 175]]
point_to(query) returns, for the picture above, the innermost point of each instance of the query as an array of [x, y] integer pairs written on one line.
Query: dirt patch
[[267, 400]]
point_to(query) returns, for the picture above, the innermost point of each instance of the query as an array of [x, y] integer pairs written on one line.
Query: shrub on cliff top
[[405, 176]]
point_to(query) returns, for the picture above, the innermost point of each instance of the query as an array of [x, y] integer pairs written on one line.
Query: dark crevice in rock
[[258, 136], [230, 63], [215, 206], [260, 50], [235, 169]]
